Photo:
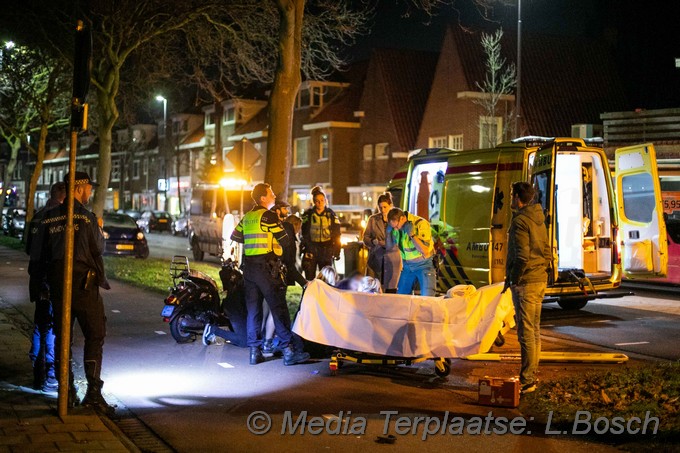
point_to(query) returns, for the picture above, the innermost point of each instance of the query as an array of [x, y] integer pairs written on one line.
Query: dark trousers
[[317, 256], [259, 285], [87, 307]]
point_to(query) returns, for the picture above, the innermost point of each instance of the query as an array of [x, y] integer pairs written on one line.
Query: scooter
[[194, 299]]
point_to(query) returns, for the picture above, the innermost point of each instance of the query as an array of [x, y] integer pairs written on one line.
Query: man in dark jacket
[[529, 255], [42, 344], [87, 306]]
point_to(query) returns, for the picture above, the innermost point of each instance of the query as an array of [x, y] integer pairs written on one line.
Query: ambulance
[[601, 227]]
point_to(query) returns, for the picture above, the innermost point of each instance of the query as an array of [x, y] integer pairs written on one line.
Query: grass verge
[[630, 392], [12, 242], [153, 274]]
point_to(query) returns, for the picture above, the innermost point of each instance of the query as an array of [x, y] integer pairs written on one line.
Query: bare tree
[[499, 81], [32, 99]]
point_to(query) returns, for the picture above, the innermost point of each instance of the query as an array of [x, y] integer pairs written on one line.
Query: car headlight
[[106, 235], [140, 236]]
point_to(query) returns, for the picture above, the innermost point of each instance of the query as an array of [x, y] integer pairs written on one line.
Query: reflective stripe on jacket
[[258, 233], [421, 229]]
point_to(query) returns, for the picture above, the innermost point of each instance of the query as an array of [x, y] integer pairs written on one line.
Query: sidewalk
[[28, 418]]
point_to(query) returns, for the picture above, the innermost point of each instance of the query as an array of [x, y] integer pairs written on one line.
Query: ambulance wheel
[[196, 250], [500, 340], [572, 304], [445, 370]]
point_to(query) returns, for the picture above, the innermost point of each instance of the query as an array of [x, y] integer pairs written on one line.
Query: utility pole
[[160, 98], [519, 70]]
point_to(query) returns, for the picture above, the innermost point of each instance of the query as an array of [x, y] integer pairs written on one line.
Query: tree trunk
[[14, 145], [282, 100], [33, 184], [107, 119]]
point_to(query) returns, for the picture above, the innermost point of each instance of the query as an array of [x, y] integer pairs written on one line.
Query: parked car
[[155, 221], [14, 222], [181, 225], [124, 237]]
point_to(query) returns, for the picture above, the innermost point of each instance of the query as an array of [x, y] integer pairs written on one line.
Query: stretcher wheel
[[442, 368], [500, 340], [333, 366]]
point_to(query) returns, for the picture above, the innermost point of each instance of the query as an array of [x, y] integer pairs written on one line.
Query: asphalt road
[[198, 398]]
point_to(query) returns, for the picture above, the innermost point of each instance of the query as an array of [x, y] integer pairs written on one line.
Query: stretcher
[[391, 329]]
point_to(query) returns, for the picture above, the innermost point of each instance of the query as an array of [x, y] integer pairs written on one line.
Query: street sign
[[243, 155]]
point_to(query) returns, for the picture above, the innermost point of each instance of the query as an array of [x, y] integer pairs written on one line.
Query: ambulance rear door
[[642, 229], [542, 174]]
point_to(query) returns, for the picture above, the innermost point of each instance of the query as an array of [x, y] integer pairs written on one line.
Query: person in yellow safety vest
[[320, 235], [262, 235], [413, 236]]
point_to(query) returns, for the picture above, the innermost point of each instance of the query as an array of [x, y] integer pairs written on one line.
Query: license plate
[[125, 247], [163, 221], [167, 311]]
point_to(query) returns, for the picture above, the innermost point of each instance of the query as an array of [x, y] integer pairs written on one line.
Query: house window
[[456, 141], [382, 150], [368, 152], [490, 131], [60, 175], [229, 115], [316, 96], [17, 170], [441, 141], [301, 152], [115, 170], [135, 169], [323, 147], [210, 118], [145, 166], [185, 125]]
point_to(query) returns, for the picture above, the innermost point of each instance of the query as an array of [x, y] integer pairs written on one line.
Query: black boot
[[268, 347], [38, 374], [256, 355], [73, 399], [293, 357], [94, 399]]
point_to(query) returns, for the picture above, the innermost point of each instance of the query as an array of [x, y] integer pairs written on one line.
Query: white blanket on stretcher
[[402, 325]]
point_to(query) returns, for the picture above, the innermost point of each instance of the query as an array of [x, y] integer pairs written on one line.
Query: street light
[[160, 98]]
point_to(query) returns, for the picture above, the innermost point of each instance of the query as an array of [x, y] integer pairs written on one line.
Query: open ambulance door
[[542, 174], [642, 229]]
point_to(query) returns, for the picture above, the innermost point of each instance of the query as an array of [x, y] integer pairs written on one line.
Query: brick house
[[393, 101], [565, 82]]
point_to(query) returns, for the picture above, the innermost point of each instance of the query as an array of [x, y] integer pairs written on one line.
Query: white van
[[597, 234]]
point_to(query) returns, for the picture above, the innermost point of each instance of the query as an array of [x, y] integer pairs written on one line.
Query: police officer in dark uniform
[[42, 343], [88, 276], [320, 235], [263, 237]]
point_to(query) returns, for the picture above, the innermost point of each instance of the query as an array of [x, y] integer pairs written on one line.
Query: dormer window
[[230, 115]]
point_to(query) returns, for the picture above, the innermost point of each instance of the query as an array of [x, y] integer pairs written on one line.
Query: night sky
[[644, 36]]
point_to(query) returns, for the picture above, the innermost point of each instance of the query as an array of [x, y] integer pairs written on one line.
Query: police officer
[[42, 343], [88, 276], [413, 236], [320, 235], [263, 237]]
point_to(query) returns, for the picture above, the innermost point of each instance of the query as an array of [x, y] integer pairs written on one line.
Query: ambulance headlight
[[140, 236]]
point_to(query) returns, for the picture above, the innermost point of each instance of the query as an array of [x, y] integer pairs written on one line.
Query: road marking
[[115, 311], [225, 365], [631, 344], [602, 320], [22, 269], [160, 332]]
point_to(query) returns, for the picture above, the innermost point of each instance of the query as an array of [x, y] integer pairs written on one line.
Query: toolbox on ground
[[501, 392]]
